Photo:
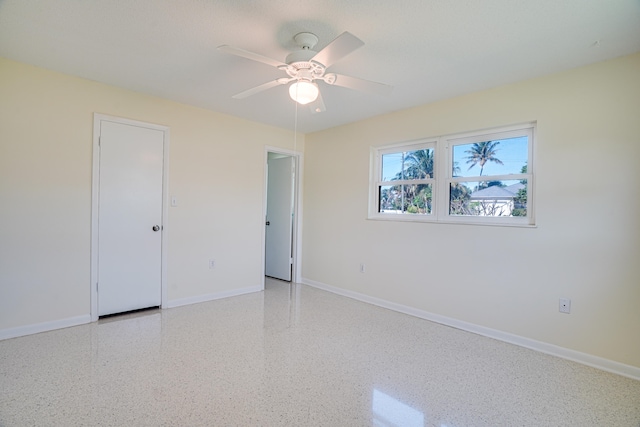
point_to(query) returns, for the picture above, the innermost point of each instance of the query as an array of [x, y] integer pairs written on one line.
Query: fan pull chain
[[295, 126]]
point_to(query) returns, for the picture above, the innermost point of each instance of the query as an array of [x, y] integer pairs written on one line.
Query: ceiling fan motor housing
[[299, 64], [300, 57]]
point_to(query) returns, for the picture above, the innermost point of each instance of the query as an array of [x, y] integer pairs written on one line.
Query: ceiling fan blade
[[317, 106], [265, 86], [361, 85], [340, 47], [250, 55]]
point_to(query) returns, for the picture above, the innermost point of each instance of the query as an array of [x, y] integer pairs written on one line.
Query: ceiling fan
[[305, 66]]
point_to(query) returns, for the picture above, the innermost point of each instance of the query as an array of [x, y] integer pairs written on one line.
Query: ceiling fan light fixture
[[304, 92]]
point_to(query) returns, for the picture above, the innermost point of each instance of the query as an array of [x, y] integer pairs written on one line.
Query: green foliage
[[411, 198], [416, 165], [459, 199], [481, 153], [520, 203], [486, 184], [456, 169], [523, 170]]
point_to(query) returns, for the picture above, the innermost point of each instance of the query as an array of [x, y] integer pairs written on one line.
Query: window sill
[[463, 221]]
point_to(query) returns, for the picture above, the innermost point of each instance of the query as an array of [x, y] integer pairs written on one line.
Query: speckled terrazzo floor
[[296, 356]]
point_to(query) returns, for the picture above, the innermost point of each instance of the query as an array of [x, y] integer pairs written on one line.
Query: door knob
[[268, 222], [156, 228]]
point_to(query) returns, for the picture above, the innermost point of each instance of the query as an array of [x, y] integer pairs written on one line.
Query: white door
[[279, 218], [129, 217]]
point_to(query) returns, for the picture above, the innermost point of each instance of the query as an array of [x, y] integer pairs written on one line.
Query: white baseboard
[[81, 320], [44, 327], [210, 297], [554, 350]]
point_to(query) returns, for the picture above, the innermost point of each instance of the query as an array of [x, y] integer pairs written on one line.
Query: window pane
[[496, 157], [392, 166], [488, 198], [417, 164], [406, 199]]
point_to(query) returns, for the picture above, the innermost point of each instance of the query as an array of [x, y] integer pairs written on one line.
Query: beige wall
[[46, 124], [586, 245]]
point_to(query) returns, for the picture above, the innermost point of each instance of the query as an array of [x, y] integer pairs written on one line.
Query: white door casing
[[279, 218], [129, 192]]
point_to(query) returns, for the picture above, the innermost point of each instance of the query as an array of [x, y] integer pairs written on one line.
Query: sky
[[512, 152]]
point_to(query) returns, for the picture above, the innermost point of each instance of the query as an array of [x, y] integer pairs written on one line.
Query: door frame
[[296, 247], [95, 189]]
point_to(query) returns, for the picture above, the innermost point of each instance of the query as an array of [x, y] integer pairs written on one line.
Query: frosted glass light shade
[[303, 92]]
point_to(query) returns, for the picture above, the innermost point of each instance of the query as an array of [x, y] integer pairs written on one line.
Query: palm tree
[[456, 169], [459, 196], [416, 164], [420, 164], [481, 153]]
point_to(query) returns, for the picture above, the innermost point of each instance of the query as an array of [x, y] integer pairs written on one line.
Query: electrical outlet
[[362, 268], [565, 305], [212, 263]]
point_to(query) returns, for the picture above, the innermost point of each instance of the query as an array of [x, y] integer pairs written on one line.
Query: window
[[482, 177], [406, 184]]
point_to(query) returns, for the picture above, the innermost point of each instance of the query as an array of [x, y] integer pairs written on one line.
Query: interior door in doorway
[[279, 221], [129, 217]]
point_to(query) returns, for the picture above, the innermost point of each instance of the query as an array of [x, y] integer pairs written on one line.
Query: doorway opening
[[281, 214]]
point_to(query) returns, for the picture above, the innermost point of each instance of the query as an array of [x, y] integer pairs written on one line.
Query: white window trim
[[443, 176], [375, 178]]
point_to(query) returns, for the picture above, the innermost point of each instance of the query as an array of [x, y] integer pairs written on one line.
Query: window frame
[[443, 177], [376, 177]]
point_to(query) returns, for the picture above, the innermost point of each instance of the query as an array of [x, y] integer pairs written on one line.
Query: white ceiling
[[426, 49]]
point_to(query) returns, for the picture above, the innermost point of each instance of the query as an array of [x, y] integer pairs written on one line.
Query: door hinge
[[291, 261], [99, 141], [96, 286]]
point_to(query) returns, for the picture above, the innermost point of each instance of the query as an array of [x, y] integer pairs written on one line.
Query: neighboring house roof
[[496, 192], [514, 188]]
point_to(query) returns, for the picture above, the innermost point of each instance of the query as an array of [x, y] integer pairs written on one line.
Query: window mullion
[[442, 173], [406, 182], [514, 177]]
